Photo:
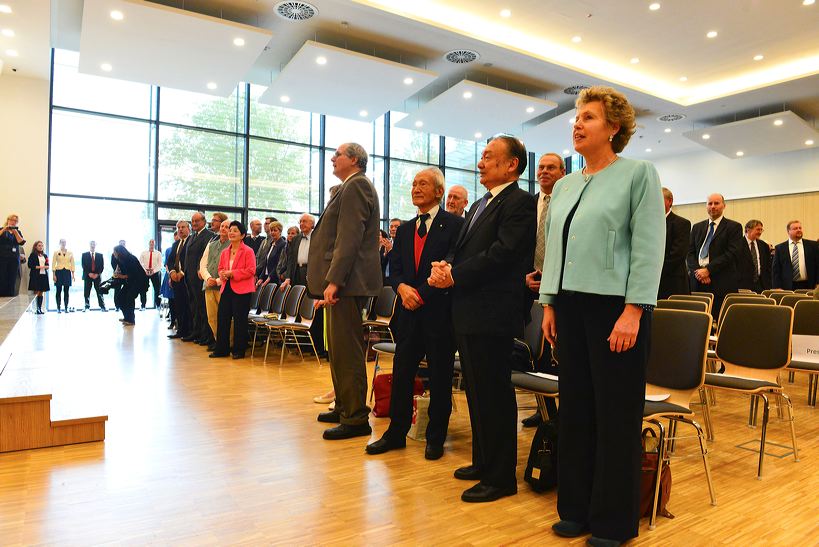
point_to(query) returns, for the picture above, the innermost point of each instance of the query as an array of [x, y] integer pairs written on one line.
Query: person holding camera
[[38, 274], [63, 273], [10, 241]]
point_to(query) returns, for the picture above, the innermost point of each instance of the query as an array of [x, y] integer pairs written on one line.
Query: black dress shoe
[[212, 347], [202, 342], [238, 355], [331, 417], [215, 355], [468, 473], [344, 431], [174, 336], [570, 528], [384, 444], [188, 338], [433, 452], [481, 493], [603, 542], [532, 421]]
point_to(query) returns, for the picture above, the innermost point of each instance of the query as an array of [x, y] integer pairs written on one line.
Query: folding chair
[[299, 331], [384, 310], [288, 317], [806, 323]]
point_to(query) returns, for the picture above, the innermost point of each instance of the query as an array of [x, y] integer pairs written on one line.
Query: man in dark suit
[[255, 238], [176, 265], [754, 259], [713, 253], [796, 261], [422, 321], [199, 239], [486, 271], [115, 269], [674, 277], [343, 268], [93, 264]]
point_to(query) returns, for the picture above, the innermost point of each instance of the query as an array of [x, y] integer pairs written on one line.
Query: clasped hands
[[440, 276], [703, 276]]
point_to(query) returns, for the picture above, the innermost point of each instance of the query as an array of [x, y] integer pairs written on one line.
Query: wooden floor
[[213, 452]]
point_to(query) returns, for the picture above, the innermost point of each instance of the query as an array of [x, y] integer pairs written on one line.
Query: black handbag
[[541, 469]]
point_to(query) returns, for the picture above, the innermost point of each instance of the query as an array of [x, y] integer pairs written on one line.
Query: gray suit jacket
[[344, 246]]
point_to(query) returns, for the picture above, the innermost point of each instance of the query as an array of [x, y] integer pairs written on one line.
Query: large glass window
[[467, 179], [462, 154], [412, 145], [203, 110], [282, 176], [280, 123], [340, 130]]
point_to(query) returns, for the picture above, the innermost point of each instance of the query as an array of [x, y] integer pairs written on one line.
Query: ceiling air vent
[[575, 89], [671, 118], [296, 11], [462, 56]]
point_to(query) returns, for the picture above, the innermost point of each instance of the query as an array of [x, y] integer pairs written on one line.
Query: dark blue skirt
[[63, 278]]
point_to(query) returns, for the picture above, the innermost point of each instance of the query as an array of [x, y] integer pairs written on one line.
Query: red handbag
[[382, 387]]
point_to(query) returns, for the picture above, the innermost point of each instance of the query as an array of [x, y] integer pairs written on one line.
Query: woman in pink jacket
[[237, 270]]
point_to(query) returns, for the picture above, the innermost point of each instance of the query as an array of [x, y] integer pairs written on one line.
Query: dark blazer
[[272, 261], [674, 277], [783, 270], [291, 260], [137, 281], [747, 267], [170, 263], [99, 263], [440, 239], [723, 254], [490, 262], [254, 243], [196, 248]]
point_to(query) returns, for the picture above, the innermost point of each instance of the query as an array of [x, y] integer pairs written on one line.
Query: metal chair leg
[[266, 345], [753, 411], [793, 426], [706, 465], [791, 377], [313, 345], [706, 412], [765, 415], [253, 346], [672, 434], [652, 523]]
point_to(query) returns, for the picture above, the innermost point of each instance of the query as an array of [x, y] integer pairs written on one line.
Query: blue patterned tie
[[795, 262], [708, 239], [481, 206]]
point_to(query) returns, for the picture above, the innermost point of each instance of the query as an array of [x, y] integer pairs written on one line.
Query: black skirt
[[63, 278], [37, 281]]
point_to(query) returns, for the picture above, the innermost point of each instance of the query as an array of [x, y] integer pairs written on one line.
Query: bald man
[[456, 200]]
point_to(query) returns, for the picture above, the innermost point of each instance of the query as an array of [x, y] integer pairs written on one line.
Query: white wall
[[24, 153], [692, 177]]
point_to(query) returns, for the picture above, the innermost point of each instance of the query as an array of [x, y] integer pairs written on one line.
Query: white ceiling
[[29, 21], [347, 84]]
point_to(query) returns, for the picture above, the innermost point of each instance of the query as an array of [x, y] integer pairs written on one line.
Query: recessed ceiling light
[[12, 52], [566, 152], [5, 9], [478, 135], [238, 42], [778, 122], [408, 81], [808, 2], [667, 130], [577, 39], [506, 13], [117, 15], [706, 136], [419, 123], [758, 57], [648, 149], [809, 142], [7, 32], [106, 67], [530, 109], [740, 153], [363, 113], [683, 79], [654, 7], [321, 60], [712, 34], [634, 60], [211, 85], [284, 99], [467, 95]]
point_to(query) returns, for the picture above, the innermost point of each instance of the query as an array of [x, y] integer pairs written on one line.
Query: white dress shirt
[[304, 249], [432, 212], [156, 261]]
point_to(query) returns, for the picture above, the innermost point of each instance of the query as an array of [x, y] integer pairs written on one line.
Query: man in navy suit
[[796, 261], [755, 259], [486, 270], [422, 324], [92, 265]]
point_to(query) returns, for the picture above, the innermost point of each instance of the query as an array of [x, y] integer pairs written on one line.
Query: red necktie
[[150, 259], [92, 262]]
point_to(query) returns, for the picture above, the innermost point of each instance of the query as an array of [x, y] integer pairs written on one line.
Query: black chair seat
[[374, 323], [273, 323], [535, 384], [384, 347], [804, 365], [732, 382], [663, 407]]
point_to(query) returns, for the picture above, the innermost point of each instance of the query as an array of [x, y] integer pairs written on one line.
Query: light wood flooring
[[215, 452]]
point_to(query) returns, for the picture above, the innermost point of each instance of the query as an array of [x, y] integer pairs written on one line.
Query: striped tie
[[795, 262]]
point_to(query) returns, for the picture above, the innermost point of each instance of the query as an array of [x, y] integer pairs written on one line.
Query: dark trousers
[[156, 281], [86, 292], [199, 313], [127, 301], [412, 345], [347, 360], [9, 268], [803, 285], [182, 309], [602, 395], [493, 410], [62, 289], [232, 307]]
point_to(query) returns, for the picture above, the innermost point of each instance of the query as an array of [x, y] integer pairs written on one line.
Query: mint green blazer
[[616, 240]]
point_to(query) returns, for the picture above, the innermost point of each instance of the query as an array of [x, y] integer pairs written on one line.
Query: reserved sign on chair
[[805, 348]]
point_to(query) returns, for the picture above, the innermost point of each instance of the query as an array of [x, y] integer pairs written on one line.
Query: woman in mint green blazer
[[605, 240]]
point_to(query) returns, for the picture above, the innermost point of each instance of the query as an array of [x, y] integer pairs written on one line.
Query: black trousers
[[602, 395], [156, 281], [181, 308], [232, 307], [86, 292], [412, 344], [493, 410], [9, 268], [199, 313]]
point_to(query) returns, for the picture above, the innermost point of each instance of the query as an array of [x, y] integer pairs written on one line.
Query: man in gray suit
[[344, 269]]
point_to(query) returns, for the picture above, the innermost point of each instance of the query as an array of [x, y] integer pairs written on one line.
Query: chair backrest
[[806, 317], [768, 292], [254, 300], [708, 295], [746, 291], [533, 333], [804, 291], [709, 301], [277, 305], [755, 340], [266, 296], [687, 305], [307, 309], [293, 300], [385, 304], [778, 296], [679, 347], [730, 300], [792, 299]]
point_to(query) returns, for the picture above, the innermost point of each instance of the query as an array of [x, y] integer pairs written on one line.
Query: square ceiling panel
[[553, 135], [149, 43], [770, 134], [473, 111], [339, 82]]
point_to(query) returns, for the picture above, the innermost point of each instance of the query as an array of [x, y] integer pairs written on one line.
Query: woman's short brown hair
[[617, 109]]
